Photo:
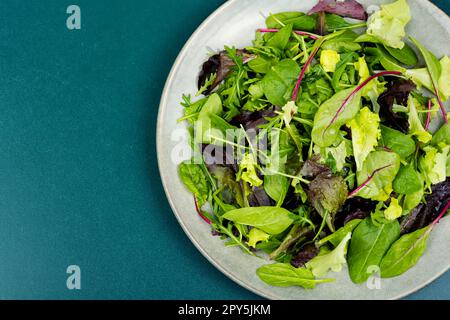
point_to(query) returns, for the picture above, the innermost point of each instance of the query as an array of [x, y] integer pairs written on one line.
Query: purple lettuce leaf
[[346, 8]]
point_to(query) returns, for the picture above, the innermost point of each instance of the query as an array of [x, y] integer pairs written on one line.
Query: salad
[[313, 146]]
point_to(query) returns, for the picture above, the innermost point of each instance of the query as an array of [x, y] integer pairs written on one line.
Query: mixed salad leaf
[[313, 144]]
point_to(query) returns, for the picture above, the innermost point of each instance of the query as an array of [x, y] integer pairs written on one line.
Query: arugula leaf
[[388, 24], [337, 237], [334, 260], [404, 253], [368, 246], [255, 235], [272, 220], [365, 134], [195, 180], [398, 142], [285, 275], [407, 180], [191, 109], [326, 124], [279, 82], [381, 168]]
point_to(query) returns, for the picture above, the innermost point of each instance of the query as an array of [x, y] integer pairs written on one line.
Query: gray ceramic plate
[[234, 24]]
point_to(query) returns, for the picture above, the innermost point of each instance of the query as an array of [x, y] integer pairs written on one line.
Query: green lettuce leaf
[[388, 24], [433, 165], [334, 260], [247, 171], [329, 59], [394, 210], [365, 134], [415, 124], [255, 235]]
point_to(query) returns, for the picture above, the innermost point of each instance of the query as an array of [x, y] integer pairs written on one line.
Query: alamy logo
[[74, 280], [73, 22]]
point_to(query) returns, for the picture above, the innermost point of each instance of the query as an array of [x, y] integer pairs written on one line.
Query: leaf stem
[[302, 73], [446, 207], [200, 213], [441, 105], [357, 89], [427, 123]]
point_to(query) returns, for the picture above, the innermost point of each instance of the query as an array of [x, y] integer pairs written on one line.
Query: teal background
[[79, 182]]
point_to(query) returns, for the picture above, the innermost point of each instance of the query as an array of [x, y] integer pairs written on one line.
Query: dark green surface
[[78, 172]]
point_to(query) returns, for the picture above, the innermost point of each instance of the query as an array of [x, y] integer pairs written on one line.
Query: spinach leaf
[[407, 180], [329, 118], [285, 275], [404, 253], [195, 180], [276, 186], [260, 64], [406, 55], [204, 130], [365, 134], [398, 142], [343, 43], [336, 237], [377, 174], [279, 82], [272, 220], [368, 245], [281, 38], [299, 20]]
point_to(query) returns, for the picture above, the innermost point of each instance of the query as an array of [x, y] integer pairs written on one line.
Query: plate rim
[[161, 112]]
